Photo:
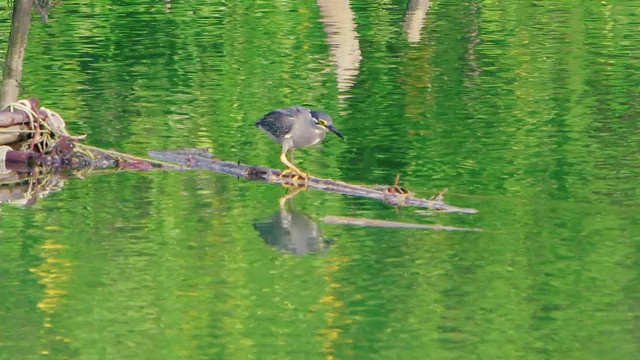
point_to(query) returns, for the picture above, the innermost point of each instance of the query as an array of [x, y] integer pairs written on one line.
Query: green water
[[526, 111]]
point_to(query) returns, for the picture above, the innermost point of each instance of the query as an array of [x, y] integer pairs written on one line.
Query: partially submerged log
[[200, 159]]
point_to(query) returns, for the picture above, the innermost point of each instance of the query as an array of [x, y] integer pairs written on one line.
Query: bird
[[296, 127]]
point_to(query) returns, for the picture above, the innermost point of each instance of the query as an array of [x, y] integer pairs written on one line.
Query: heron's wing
[[280, 122]]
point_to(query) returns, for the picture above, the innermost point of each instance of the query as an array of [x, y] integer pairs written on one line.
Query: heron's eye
[[322, 122]]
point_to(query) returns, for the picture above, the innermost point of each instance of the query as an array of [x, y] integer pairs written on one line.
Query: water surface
[[526, 111]]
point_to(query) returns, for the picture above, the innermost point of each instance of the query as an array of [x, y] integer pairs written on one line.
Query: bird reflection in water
[[292, 231]]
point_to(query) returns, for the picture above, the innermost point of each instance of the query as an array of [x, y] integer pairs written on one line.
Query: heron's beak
[[335, 131]]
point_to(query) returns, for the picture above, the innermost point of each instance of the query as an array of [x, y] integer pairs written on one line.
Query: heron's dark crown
[[321, 115]]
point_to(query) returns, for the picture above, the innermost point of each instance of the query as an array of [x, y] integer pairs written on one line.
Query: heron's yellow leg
[[292, 169]]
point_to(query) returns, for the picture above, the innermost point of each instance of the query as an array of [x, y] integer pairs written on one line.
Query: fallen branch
[[200, 159]]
